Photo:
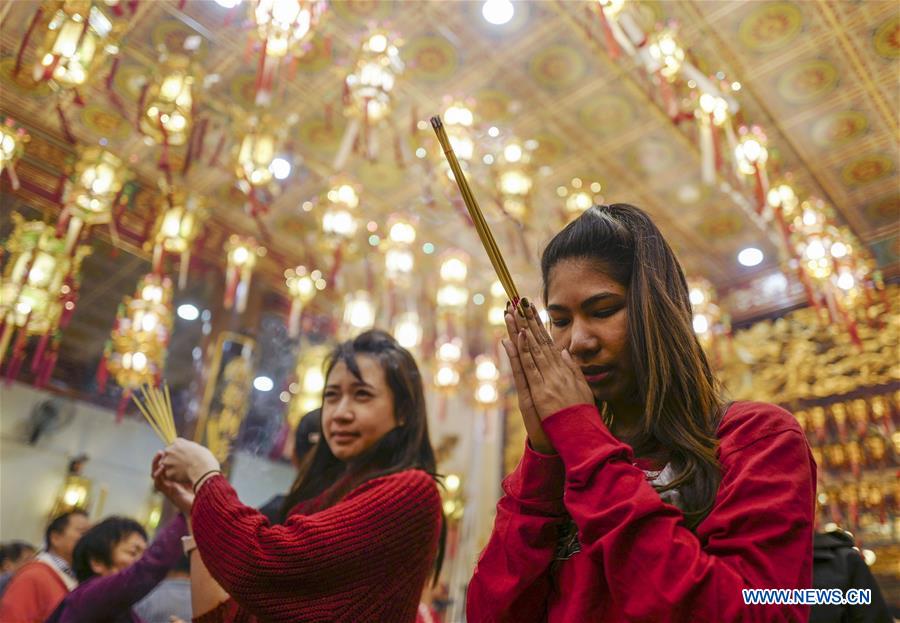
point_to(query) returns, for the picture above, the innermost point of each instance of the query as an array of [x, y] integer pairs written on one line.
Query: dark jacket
[[837, 565]]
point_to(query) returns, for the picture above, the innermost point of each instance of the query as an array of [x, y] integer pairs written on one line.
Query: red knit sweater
[[364, 559], [637, 560]]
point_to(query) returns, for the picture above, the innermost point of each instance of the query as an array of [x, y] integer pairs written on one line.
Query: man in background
[[172, 598], [12, 556], [39, 586], [309, 429]]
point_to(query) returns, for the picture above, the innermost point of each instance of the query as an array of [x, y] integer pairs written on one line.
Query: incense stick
[[156, 407], [481, 226]]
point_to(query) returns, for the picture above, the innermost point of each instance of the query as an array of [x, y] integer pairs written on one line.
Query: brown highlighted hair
[[682, 399]]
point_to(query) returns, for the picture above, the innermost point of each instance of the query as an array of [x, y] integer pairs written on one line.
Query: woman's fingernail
[[525, 303]]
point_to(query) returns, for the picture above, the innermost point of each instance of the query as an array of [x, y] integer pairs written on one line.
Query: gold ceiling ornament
[[751, 155], [13, 139], [166, 106], [579, 196], [92, 195], [135, 355], [399, 257], [487, 376], [284, 27], [180, 217], [242, 253], [309, 384], [782, 205], [38, 290], [257, 150], [453, 501], [514, 179], [302, 286], [367, 91]]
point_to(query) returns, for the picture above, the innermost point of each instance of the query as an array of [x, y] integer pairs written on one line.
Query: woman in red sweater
[[641, 495], [363, 527]]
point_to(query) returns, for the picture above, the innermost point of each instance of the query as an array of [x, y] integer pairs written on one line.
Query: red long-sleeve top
[[364, 559], [638, 561]]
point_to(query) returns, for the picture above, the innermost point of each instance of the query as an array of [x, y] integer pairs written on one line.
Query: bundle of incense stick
[[157, 408], [484, 232]]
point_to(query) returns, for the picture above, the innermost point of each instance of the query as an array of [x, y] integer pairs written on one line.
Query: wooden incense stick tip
[[436, 122]]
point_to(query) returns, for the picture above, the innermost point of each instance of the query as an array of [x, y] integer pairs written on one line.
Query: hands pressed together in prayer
[[547, 378], [179, 470]]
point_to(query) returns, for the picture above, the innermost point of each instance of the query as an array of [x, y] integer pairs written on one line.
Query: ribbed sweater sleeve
[[378, 530]]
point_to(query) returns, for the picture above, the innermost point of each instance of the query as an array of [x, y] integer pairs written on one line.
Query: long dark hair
[[405, 447], [681, 397], [97, 544]]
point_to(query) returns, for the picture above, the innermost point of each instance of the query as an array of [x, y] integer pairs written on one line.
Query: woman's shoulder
[[746, 422], [413, 483]]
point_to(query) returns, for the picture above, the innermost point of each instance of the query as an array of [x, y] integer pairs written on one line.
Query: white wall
[[120, 455]]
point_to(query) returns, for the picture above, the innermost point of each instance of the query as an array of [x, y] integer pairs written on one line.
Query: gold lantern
[[579, 196], [255, 155], [302, 287], [407, 330], [486, 375], [180, 220], [307, 389], [241, 254], [370, 84], [399, 259], [453, 295], [166, 108], [497, 306], [79, 35], [359, 314], [338, 218], [667, 54], [751, 154], [13, 138], [37, 291], [283, 27], [93, 193], [514, 180], [448, 357]]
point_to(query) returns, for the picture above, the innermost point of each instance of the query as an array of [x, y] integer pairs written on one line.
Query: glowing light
[[751, 256], [497, 12], [263, 384], [188, 312], [280, 168]]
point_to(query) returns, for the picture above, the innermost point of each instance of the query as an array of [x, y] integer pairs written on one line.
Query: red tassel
[[26, 39], [140, 107], [611, 45], [76, 97], [217, 151], [760, 191], [64, 124], [102, 374], [38, 357], [123, 403]]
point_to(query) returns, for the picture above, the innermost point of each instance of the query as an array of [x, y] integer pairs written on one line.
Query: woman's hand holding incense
[[186, 462], [536, 434], [178, 493], [555, 380]]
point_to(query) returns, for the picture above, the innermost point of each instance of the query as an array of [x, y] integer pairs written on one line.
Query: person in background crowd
[[309, 429], [838, 564], [12, 556], [116, 569], [39, 586], [172, 598]]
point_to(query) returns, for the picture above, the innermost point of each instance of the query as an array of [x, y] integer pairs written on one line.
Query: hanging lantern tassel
[[13, 178], [611, 45], [762, 186], [103, 371], [73, 233], [5, 339], [184, 266], [38, 357], [731, 138], [343, 152], [232, 276], [707, 150], [123, 404], [294, 318]]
